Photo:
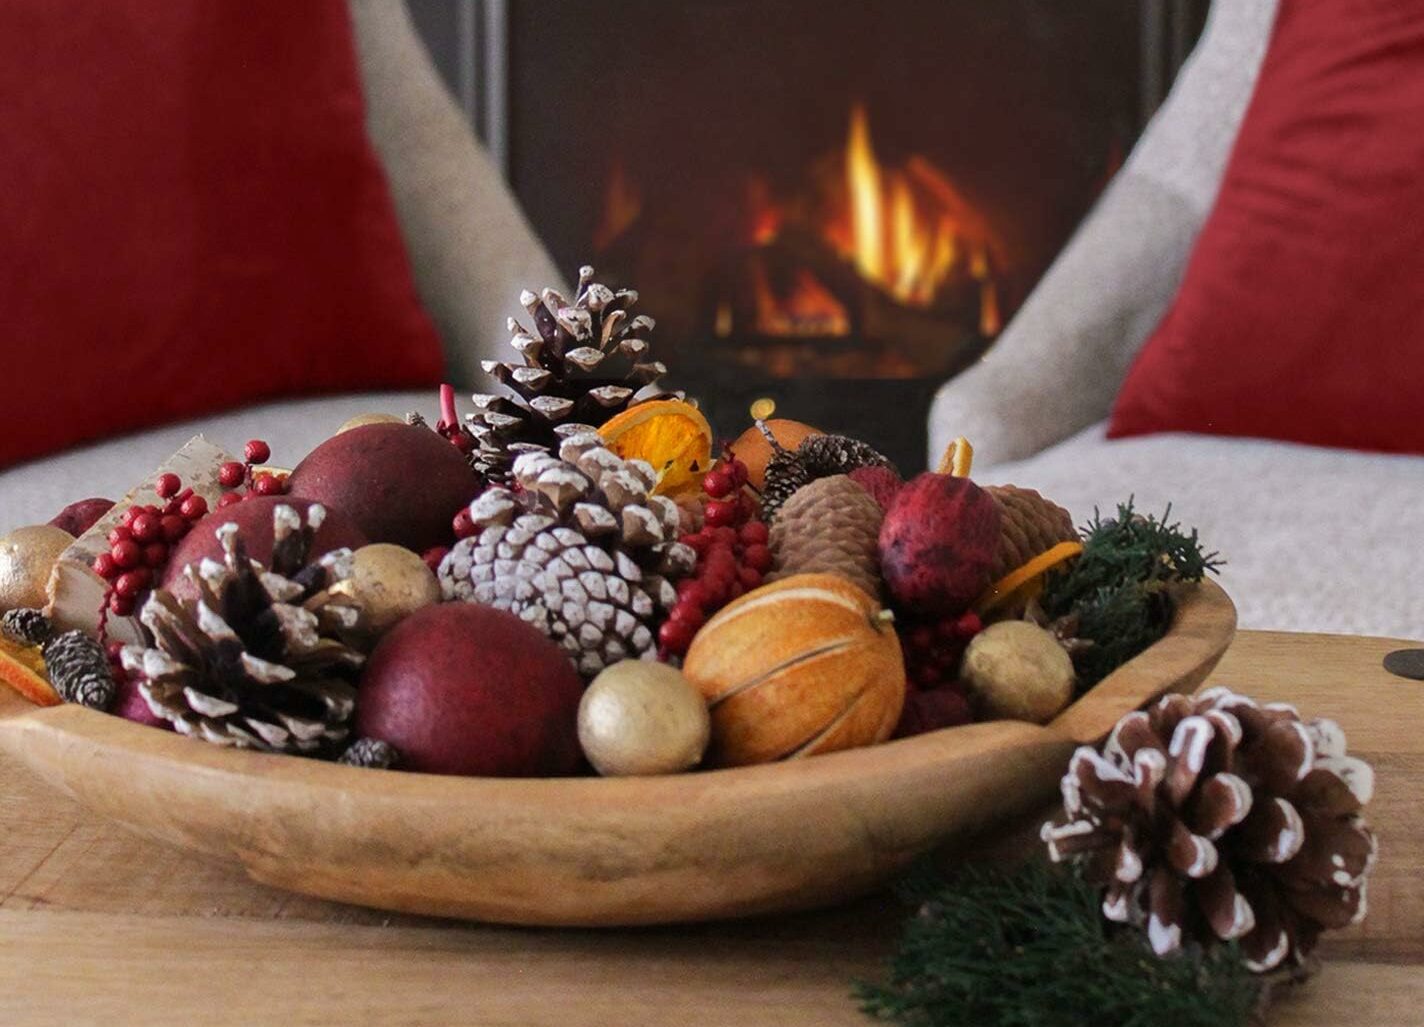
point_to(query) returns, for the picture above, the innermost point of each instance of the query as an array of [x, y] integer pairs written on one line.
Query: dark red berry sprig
[[246, 479], [732, 557], [933, 650], [139, 545], [449, 424]]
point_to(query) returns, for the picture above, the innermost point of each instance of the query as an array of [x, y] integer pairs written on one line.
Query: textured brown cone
[[1031, 524], [1213, 818], [831, 526]]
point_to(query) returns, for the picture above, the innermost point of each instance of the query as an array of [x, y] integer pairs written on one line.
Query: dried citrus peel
[[958, 459], [670, 434], [1028, 577], [23, 669]]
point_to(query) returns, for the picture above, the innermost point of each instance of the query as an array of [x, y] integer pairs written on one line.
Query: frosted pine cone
[[1214, 818], [584, 552], [261, 659], [563, 379]]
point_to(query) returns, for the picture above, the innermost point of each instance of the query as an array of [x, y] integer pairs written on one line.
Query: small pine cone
[[371, 753], [1031, 525], [79, 670], [818, 456], [831, 526], [26, 626], [1211, 817]]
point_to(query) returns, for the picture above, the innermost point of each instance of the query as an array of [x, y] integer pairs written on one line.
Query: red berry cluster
[[233, 475], [933, 651], [139, 544], [732, 557]]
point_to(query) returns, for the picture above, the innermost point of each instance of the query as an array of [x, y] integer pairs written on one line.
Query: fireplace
[[830, 209]]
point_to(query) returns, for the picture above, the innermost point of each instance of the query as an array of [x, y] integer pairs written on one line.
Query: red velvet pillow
[[1301, 314], [191, 218]]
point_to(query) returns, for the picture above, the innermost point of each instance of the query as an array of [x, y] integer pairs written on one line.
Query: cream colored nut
[[1017, 671], [27, 555], [640, 717], [390, 583], [361, 420]]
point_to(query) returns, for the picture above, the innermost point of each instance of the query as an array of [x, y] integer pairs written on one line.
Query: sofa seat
[[34, 492], [1316, 539]]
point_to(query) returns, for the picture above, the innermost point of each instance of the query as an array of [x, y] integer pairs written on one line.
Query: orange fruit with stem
[[753, 449], [670, 434]]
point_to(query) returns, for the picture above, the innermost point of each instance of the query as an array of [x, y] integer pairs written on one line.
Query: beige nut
[[1017, 671], [390, 583], [27, 555], [640, 717], [361, 420]]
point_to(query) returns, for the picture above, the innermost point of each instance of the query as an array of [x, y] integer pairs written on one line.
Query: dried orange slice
[[1026, 581], [670, 434], [23, 669], [958, 459]]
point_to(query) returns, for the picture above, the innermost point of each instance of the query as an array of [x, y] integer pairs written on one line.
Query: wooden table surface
[[99, 927]]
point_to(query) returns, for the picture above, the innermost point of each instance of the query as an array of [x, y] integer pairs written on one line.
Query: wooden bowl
[[593, 851]]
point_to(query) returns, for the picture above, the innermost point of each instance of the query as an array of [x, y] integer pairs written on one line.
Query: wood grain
[[589, 851], [98, 926]]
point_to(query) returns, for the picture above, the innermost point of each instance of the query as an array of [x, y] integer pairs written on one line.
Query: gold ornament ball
[[361, 420], [390, 582], [27, 555], [1017, 671], [640, 717]]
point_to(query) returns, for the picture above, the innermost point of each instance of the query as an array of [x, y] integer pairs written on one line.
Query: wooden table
[[97, 927]]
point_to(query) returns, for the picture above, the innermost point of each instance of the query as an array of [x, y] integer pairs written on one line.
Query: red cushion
[[1301, 314], [191, 218]]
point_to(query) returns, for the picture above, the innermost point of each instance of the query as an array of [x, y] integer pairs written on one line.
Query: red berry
[[676, 636], [690, 590], [126, 553], [921, 637], [168, 485], [121, 605], [257, 452], [969, 624], [113, 650], [689, 614], [433, 557], [267, 485], [146, 527], [173, 527], [758, 557], [718, 484], [749, 577], [228, 498], [464, 525], [194, 507], [721, 513], [231, 474], [120, 533], [106, 567], [725, 536], [747, 508], [130, 515], [155, 555], [699, 542], [131, 584], [754, 533], [736, 591]]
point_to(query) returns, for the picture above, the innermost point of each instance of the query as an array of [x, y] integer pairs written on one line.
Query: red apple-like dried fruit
[[938, 543], [253, 518], [881, 482], [399, 483], [461, 688], [77, 518]]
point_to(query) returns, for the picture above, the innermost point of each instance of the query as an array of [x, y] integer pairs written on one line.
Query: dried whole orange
[[752, 448], [23, 669], [670, 434], [810, 664]]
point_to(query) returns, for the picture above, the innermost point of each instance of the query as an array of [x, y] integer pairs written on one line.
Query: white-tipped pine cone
[[1216, 818], [584, 552]]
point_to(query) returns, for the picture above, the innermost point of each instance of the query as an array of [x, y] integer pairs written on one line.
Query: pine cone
[[1215, 818], [818, 456], [79, 670], [1031, 525], [583, 552], [370, 753], [26, 626], [563, 381], [263, 658], [830, 526]]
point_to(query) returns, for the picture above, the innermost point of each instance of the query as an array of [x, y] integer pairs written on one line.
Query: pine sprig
[[1030, 948], [1120, 587]]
